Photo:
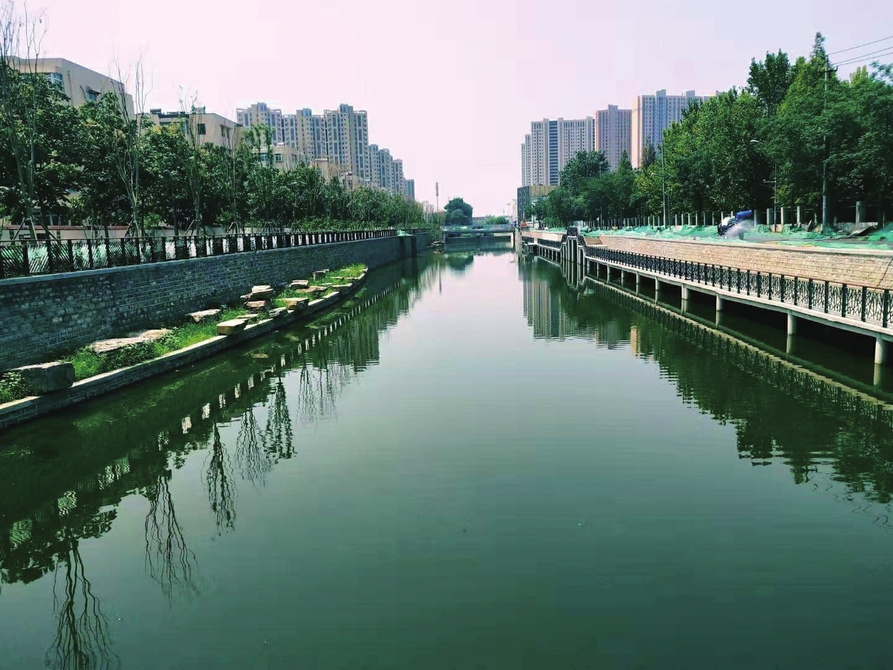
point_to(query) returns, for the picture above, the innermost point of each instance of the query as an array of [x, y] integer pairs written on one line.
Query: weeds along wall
[[43, 316]]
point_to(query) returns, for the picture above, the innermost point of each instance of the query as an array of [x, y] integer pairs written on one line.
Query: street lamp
[[774, 183]]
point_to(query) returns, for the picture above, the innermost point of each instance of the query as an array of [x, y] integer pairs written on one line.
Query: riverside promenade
[[844, 288]]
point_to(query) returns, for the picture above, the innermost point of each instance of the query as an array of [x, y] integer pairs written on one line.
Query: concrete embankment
[[43, 316], [30, 408]]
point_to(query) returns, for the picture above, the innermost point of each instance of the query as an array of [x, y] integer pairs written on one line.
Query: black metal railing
[[847, 301], [42, 257]]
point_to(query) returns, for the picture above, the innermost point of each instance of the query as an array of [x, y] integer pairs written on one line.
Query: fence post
[[90, 252], [51, 263], [809, 292], [26, 262], [826, 296], [2, 272], [864, 302], [886, 309], [843, 297], [108, 252], [71, 255]]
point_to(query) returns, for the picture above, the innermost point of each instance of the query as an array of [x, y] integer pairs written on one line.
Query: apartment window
[[201, 129], [278, 158], [56, 80], [91, 95]]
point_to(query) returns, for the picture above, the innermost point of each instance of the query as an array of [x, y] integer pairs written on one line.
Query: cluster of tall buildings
[[552, 143], [336, 141]]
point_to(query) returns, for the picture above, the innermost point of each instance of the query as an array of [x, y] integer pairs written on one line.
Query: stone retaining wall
[[42, 316], [862, 267]]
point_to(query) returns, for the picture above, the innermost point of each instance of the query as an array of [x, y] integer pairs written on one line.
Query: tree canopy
[[763, 146], [458, 212]]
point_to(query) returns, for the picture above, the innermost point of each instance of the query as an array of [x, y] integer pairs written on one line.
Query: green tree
[[458, 212]]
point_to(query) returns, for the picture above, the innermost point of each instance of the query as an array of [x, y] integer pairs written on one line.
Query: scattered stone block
[[261, 293], [257, 305], [47, 377], [299, 283], [320, 273], [250, 318], [245, 297], [204, 315], [295, 304], [231, 327], [278, 312], [108, 346]]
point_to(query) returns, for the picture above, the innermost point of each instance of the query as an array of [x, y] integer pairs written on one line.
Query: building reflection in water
[[40, 530]]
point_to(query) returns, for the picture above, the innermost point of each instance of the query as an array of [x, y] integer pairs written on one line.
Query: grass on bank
[[88, 363]]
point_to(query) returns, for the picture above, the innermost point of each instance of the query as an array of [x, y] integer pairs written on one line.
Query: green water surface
[[476, 464]]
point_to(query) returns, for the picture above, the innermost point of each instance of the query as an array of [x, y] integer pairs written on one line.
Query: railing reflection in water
[[828, 434]]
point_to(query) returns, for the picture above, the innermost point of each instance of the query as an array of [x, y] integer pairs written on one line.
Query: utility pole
[[436, 196], [826, 208]]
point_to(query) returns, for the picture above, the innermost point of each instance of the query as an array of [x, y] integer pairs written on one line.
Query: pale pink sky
[[450, 87]]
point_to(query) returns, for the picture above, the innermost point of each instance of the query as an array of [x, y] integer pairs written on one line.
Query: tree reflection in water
[[251, 453], [221, 486], [170, 561], [82, 639], [279, 436]]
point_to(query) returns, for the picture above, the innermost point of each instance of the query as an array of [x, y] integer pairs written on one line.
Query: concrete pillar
[[790, 342], [685, 296], [784, 216], [608, 272], [860, 211], [656, 289], [878, 375], [770, 217], [622, 277], [792, 325], [720, 303], [638, 282], [880, 351], [799, 214]]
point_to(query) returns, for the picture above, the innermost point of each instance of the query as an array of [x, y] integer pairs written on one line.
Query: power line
[[866, 57], [867, 44]]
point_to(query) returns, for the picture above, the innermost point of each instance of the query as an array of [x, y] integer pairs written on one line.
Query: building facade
[[207, 127], [550, 145], [652, 115], [410, 189], [259, 114], [613, 133], [79, 84]]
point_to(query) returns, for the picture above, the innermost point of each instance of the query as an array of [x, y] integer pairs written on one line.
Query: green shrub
[[12, 387]]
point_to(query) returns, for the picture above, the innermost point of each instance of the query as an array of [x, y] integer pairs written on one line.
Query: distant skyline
[[451, 87]]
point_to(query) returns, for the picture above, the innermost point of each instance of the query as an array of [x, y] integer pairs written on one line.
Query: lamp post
[[774, 183]]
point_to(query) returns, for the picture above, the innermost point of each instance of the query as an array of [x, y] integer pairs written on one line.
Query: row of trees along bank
[[795, 133], [99, 165]]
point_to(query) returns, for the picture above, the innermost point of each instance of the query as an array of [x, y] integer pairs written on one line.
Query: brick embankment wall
[[867, 267], [42, 316]]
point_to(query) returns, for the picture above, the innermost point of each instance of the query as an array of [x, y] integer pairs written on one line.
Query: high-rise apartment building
[[410, 189], [652, 115], [399, 179], [259, 114], [613, 133], [347, 136], [337, 139], [550, 145]]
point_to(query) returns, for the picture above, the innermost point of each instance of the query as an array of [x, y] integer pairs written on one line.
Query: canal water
[[480, 462]]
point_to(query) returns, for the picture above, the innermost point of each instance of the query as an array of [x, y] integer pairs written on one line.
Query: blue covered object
[[743, 216]]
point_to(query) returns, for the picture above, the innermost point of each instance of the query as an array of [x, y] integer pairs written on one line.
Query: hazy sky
[[450, 87]]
